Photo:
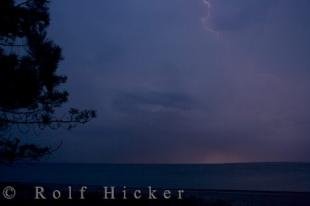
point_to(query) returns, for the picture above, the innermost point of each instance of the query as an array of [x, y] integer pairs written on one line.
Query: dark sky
[[186, 81]]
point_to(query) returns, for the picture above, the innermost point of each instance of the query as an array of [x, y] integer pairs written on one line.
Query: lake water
[[256, 176]]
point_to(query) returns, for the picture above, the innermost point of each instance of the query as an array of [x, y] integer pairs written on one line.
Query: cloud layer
[[168, 90]]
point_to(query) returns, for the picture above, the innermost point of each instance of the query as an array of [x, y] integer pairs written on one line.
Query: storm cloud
[[169, 91], [226, 15]]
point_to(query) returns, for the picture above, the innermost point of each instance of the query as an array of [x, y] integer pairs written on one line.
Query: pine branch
[[46, 123], [23, 3], [12, 45], [19, 113]]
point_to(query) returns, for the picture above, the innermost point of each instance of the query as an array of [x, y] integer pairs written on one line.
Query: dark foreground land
[[25, 196]]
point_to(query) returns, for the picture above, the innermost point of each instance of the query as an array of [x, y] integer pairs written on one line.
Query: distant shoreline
[[164, 164], [269, 177]]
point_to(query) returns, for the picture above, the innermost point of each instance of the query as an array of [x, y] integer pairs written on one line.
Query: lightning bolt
[[205, 20]]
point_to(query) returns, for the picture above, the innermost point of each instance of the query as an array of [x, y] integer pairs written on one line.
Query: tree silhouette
[[29, 85]]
